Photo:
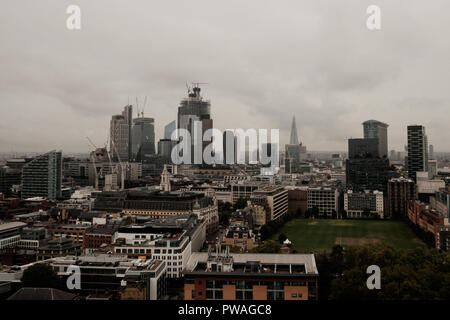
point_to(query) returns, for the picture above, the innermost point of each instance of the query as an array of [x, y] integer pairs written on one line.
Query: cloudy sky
[[264, 61]]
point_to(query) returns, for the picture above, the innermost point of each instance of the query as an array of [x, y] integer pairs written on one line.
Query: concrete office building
[[172, 240], [159, 205], [417, 151], [121, 135], [325, 199], [364, 204], [276, 201], [113, 274], [42, 176]]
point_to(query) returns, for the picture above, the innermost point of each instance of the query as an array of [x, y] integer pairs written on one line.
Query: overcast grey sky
[[265, 61]]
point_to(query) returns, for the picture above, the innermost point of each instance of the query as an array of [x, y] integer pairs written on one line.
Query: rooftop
[[11, 225], [271, 263]]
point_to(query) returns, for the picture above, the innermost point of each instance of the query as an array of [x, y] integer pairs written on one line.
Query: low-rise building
[[399, 192], [426, 219], [364, 204], [172, 240], [325, 199], [240, 235], [113, 274], [276, 200], [57, 248], [251, 276]]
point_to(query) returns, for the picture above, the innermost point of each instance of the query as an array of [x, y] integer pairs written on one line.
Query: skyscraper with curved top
[[374, 129], [143, 138]]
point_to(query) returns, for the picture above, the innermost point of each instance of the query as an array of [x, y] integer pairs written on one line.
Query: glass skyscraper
[[374, 129], [143, 138]]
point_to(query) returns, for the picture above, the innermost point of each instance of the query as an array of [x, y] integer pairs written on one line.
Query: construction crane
[[93, 163], [196, 84], [92, 144], [140, 113], [122, 175]]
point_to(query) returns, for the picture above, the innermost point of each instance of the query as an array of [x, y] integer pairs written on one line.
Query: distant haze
[[264, 62]]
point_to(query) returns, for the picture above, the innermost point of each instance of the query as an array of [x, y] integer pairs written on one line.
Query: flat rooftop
[[11, 225], [269, 262]]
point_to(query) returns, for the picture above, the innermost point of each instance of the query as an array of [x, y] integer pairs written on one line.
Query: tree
[[333, 214], [282, 237], [315, 212], [40, 275], [366, 213], [270, 246], [266, 232], [241, 203], [224, 217], [419, 273], [344, 214]]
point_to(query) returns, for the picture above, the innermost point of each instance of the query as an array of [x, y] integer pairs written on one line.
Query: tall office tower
[[417, 151], [293, 151], [431, 152], [143, 138], [374, 129], [365, 169], [195, 108], [120, 134], [229, 147], [42, 176], [168, 129], [127, 114]]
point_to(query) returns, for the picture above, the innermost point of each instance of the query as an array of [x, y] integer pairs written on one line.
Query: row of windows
[[149, 251]]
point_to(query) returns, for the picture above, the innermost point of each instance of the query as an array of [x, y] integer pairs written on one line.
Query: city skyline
[[328, 71]]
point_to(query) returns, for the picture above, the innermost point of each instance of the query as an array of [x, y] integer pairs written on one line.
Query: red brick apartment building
[[425, 218], [297, 199]]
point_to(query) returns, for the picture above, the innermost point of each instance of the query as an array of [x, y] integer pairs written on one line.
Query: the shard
[[294, 136]]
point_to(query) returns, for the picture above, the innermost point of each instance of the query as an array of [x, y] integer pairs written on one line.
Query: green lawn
[[317, 235]]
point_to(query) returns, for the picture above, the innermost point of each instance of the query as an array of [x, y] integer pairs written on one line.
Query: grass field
[[316, 235]]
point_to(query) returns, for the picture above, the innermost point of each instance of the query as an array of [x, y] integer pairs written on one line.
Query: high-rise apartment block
[[42, 176], [417, 151]]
